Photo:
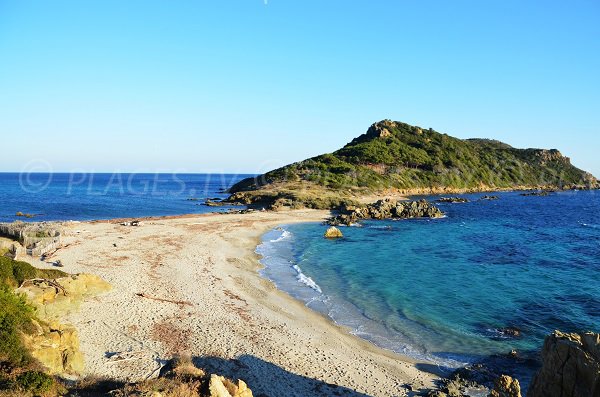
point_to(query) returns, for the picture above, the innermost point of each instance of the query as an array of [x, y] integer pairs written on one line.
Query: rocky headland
[[397, 159]]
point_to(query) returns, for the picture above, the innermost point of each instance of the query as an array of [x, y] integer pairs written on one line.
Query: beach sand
[[189, 285]]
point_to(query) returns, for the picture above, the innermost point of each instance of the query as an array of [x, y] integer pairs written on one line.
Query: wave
[[284, 234], [590, 226], [304, 279]]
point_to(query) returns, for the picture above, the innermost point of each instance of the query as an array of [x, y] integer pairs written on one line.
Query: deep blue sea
[[445, 289], [103, 196]]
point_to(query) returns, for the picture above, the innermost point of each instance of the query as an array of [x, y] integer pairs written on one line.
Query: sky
[[247, 86]]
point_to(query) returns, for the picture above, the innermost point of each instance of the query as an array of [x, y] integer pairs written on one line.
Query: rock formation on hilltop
[[397, 157]]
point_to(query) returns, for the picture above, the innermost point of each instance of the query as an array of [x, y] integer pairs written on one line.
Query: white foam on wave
[[285, 234], [590, 226], [304, 279]]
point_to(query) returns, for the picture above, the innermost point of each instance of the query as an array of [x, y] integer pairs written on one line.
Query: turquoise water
[[445, 289]]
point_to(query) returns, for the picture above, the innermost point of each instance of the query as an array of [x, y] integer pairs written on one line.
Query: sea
[[95, 196], [450, 291], [491, 277]]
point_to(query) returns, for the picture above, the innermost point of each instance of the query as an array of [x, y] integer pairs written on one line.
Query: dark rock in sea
[[193, 199], [513, 332], [386, 209], [489, 198], [452, 200], [541, 194], [570, 366]]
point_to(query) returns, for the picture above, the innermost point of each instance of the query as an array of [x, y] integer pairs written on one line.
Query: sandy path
[[201, 295]]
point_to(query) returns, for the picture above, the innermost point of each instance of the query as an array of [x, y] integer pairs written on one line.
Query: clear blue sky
[[249, 85]]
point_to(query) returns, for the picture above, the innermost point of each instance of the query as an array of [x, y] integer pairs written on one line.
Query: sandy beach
[[189, 285]]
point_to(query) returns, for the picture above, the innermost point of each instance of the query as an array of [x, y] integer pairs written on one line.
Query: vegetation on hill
[[408, 159]]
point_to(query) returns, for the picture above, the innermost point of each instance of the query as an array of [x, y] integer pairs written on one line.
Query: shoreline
[[212, 303]]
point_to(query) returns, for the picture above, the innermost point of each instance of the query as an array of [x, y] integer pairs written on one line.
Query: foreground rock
[[505, 386], [333, 232], [180, 378], [386, 209], [570, 366], [56, 345]]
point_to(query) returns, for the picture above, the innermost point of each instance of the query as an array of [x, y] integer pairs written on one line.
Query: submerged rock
[[542, 193], [333, 232], [486, 197], [570, 366], [386, 209]]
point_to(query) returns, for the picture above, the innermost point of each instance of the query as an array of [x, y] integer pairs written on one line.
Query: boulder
[[219, 386], [333, 232], [505, 386], [54, 298], [56, 347], [570, 366]]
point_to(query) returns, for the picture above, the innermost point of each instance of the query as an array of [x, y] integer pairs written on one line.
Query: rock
[[452, 200], [489, 198], [570, 366], [221, 387], [386, 209], [505, 386], [436, 393], [513, 332], [56, 347], [542, 193], [52, 302], [333, 232]]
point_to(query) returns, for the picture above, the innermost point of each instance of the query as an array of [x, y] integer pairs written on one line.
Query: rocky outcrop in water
[[386, 209], [333, 232], [570, 366], [452, 200], [542, 193]]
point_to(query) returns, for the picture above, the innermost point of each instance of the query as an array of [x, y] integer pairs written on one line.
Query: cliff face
[[571, 366], [408, 159]]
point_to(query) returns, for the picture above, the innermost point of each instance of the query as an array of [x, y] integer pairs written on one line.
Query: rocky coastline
[[385, 209]]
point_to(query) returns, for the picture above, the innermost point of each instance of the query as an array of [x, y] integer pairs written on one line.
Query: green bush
[[35, 381], [13, 273], [15, 316]]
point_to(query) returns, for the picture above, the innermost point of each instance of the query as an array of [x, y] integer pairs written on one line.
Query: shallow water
[[445, 289]]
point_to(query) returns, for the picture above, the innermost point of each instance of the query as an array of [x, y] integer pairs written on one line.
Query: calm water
[[444, 289], [103, 196]]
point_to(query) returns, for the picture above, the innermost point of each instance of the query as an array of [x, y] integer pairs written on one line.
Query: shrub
[[35, 381]]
